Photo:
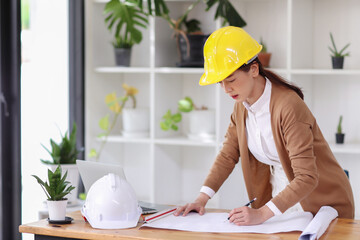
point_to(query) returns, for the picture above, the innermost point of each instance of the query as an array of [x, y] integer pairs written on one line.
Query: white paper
[[319, 224], [217, 222]]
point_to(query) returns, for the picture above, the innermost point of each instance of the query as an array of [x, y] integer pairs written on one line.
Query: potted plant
[[56, 189], [135, 120], [65, 154], [202, 120], [264, 56], [340, 136], [337, 57], [189, 37], [123, 19]]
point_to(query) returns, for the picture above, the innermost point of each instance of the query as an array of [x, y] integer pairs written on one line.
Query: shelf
[[121, 139], [184, 141], [122, 70], [177, 70], [324, 72], [298, 37], [348, 148]]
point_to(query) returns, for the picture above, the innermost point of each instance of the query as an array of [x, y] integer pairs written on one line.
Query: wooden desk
[[339, 229]]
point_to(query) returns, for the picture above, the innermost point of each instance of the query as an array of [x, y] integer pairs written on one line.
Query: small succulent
[[56, 188], [339, 127], [335, 52]]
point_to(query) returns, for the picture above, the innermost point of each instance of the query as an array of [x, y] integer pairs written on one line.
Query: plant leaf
[[164, 126], [185, 105], [104, 123], [92, 153]]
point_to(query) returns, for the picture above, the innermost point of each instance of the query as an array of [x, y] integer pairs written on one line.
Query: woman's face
[[241, 85]]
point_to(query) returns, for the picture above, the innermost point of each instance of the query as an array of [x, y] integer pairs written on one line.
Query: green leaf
[[174, 127], [56, 187], [226, 11], [46, 161], [167, 115], [92, 153], [185, 105], [123, 17], [176, 117], [82, 196], [164, 126], [104, 123]]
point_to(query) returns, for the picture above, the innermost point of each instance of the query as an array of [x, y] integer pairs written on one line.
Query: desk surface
[[339, 229]]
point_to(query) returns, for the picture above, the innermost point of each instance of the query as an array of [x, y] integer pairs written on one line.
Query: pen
[[246, 205]]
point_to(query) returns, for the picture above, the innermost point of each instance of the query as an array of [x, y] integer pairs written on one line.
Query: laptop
[[90, 172]]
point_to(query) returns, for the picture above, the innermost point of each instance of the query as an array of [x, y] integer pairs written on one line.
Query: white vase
[[72, 177], [57, 210], [135, 122], [202, 125]]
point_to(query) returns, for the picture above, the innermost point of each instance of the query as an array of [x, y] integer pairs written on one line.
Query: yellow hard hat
[[226, 50]]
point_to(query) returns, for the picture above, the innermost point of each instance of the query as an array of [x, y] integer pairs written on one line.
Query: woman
[[286, 162]]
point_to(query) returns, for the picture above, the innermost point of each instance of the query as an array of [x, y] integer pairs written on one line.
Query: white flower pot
[[202, 125], [57, 210], [72, 177], [135, 122]]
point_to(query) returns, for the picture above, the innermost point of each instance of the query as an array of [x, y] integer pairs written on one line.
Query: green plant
[[170, 120], [65, 152], [335, 52], [56, 188], [115, 105], [264, 48], [124, 18], [224, 10], [339, 127]]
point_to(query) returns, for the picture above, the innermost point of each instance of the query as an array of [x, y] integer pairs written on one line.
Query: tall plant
[[64, 152], [123, 18], [225, 10], [115, 105]]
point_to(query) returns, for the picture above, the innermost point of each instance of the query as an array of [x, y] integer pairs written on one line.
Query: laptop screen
[[92, 171]]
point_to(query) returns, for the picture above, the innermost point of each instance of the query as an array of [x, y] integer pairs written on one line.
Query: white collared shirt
[[259, 136], [258, 129]]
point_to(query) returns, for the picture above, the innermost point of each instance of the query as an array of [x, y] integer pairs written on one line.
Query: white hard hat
[[111, 204]]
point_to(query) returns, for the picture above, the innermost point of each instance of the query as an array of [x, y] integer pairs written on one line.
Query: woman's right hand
[[198, 205]]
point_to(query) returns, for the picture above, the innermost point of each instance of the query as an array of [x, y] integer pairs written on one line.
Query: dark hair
[[273, 77]]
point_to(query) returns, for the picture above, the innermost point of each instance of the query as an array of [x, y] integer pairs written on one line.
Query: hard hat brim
[[211, 78]]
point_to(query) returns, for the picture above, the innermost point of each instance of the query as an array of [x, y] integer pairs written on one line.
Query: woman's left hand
[[243, 216]]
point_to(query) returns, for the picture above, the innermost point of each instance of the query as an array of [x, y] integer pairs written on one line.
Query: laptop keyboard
[[146, 210]]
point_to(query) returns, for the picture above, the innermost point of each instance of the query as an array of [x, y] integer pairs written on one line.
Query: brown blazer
[[316, 178]]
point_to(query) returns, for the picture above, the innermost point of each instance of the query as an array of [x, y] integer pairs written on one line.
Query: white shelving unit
[[167, 167]]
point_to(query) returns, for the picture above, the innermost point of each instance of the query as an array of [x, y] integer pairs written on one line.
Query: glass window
[[44, 94]]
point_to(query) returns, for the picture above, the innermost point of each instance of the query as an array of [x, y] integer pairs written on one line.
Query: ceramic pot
[[340, 137], [337, 62], [72, 177], [264, 58], [135, 122], [202, 125], [191, 52], [122, 57], [57, 210]]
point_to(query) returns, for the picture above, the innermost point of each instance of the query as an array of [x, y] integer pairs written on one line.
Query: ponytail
[[273, 77]]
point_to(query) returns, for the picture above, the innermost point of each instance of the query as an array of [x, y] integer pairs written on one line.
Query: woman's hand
[[198, 205], [248, 216]]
